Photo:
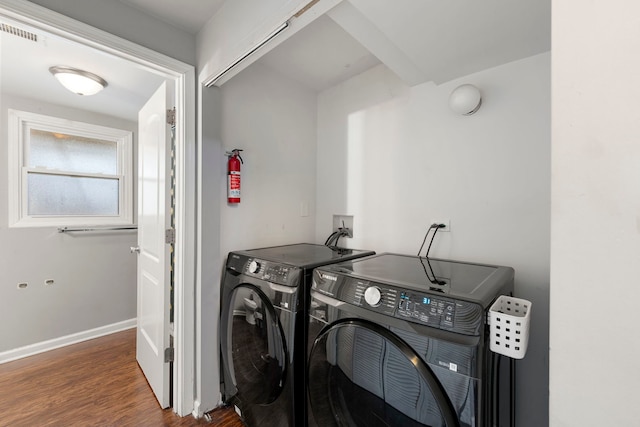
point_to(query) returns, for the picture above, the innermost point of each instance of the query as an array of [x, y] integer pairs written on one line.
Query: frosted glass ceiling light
[[465, 99], [78, 81]]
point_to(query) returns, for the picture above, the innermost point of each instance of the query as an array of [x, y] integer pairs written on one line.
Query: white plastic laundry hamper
[[509, 326]]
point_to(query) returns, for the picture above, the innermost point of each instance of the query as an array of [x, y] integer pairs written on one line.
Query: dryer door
[[254, 349], [362, 374]]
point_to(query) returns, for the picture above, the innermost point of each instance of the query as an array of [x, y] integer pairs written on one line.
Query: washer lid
[[474, 282], [305, 255]]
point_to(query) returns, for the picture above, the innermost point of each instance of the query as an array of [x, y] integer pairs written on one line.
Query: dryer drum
[[258, 349]]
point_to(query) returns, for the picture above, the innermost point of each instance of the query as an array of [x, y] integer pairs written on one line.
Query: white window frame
[[20, 123]]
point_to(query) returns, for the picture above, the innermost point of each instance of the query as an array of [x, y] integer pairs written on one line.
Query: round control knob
[[254, 266], [373, 296]]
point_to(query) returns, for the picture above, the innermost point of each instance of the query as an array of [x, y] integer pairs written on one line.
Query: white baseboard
[[199, 411], [41, 347]]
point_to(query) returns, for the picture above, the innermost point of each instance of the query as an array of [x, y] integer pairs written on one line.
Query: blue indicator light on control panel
[[426, 300]]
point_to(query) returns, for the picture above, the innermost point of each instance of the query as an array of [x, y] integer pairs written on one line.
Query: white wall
[[209, 259], [595, 245], [274, 121], [397, 158], [95, 275], [129, 23]]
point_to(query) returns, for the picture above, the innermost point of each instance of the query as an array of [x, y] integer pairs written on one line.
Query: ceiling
[[24, 72], [312, 58], [188, 15], [420, 40], [454, 38]]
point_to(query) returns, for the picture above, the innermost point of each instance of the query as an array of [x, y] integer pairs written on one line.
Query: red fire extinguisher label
[[234, 184]]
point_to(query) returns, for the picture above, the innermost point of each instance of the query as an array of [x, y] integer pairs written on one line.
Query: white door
[[153, 334]]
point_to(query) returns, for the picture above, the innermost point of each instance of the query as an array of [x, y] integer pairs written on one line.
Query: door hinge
[[171, 116], [170, 236], [168, 354]]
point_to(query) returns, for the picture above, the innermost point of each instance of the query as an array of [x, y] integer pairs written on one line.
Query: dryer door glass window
[[257, 346], [361, 374]]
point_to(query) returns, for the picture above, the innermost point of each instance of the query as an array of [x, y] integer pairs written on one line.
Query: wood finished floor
[[93, 383]]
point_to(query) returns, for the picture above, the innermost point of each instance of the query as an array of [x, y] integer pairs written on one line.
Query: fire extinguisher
[[233, 175]]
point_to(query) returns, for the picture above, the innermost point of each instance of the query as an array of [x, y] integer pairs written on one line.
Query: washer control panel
[[426, 308], [373, 296]]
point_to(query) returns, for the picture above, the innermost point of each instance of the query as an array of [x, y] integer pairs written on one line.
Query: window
[[63, 172]]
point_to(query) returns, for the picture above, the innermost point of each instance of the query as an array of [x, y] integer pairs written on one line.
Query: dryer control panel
[[264, 270]]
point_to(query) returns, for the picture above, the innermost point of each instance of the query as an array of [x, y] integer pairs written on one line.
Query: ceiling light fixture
[[78, 81], [465, 99]]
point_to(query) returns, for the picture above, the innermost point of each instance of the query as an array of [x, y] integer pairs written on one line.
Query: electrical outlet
[[343, 221], [446, 222]]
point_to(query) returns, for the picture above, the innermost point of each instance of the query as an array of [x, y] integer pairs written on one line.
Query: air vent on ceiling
[[6, 28]]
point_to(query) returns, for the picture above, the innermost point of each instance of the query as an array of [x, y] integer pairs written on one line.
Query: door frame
[[183, 76]]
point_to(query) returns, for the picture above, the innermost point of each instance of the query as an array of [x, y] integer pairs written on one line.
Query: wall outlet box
[[446, 222], [343, 221]]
